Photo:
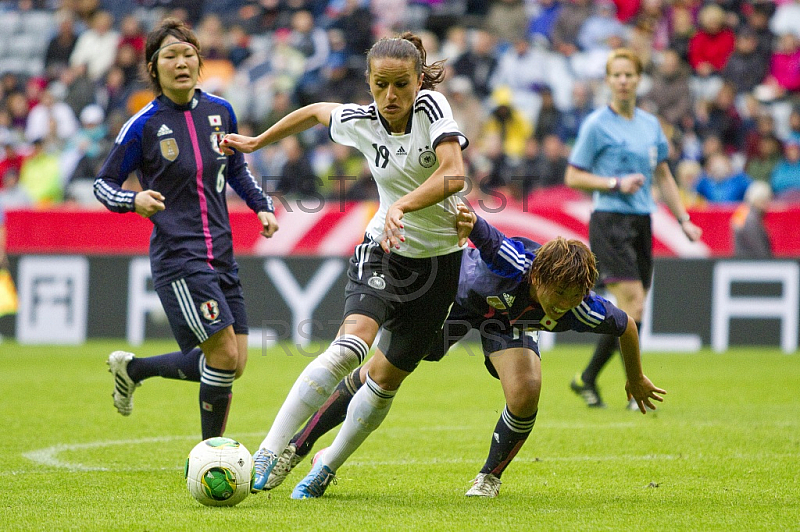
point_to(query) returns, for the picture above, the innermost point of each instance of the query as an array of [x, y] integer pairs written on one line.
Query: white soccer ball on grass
[[219, 472]]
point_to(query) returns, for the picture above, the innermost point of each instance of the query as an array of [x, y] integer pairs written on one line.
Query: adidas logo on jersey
[[163, 130], [401, 151], [509, 299]]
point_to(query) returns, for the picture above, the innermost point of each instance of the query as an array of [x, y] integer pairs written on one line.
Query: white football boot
[[484, 485], [123, 384]]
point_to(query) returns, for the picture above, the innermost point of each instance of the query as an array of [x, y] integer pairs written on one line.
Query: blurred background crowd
[[723, 77]]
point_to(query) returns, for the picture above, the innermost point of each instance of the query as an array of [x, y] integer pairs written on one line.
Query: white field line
[[49, 456]]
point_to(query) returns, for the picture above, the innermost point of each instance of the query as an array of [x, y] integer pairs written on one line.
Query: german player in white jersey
[[403, 278]]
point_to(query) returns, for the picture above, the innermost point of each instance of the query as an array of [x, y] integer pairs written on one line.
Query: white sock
[[313, 387], [366, 412]]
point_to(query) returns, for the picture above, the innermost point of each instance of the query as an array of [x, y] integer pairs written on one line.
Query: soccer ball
[[219, 472]]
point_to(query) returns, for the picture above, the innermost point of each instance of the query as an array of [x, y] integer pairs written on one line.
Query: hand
[[691, 231], [465, 221], [393, 229], [643, 391], [148, 202], [268, 222], [242, 143], [631, 183]]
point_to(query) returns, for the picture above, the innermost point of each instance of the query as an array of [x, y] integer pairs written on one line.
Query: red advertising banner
[[315, 228]]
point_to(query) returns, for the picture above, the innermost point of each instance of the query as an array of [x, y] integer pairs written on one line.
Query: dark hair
[[398, 48], [564, 263], [168, 26]]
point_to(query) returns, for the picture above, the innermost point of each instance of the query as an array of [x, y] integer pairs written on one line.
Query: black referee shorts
[[409, 297], [623, 245]]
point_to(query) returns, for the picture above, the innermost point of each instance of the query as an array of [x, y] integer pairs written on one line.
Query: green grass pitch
[[721, 453]]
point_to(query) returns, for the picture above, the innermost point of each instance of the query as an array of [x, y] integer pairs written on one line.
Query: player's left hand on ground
[[644, 392], [465, 221], [268, 222], [233, 141], [393, 229]]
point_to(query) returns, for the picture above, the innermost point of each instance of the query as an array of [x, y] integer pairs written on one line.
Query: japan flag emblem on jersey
[[210, 310], [215, 120], [548, 323], [216, 139]]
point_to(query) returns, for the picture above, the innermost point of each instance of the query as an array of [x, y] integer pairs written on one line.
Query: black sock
[[509, 435], [606, 347], [215, 400], [175, 365], [330, 415]]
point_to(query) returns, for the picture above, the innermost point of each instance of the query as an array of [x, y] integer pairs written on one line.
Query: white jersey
[[401, 163]]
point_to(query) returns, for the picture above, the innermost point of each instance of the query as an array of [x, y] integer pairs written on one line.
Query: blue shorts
[[496, 335], [202, 304]]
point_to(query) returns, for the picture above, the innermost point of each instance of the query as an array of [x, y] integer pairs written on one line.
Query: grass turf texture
[[720, 454]]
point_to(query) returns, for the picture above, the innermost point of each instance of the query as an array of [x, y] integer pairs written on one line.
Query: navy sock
[[330, 415], [215, 400], [509, 435], [606, 347], [174, 365]]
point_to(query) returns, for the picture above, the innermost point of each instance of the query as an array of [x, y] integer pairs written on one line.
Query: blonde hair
[[564, 263], [624, 53]]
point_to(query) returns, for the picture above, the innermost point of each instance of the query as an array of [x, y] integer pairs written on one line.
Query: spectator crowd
[[723, 77]]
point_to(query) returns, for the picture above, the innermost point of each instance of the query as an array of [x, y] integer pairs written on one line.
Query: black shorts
[[623, 245], [496, 335], [202, 304], [410, 298]]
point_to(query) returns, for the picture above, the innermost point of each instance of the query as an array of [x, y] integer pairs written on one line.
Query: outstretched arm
[[295, 122], [638, 386], [505, 256]]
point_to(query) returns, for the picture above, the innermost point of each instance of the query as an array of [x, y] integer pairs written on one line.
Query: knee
[[523, 401], [345, 354], [224, 358], [635, 304], [636, 313], [632, 302]]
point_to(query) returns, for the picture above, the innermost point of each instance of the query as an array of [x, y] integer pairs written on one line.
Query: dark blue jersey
[[494, 284], [174, 149]]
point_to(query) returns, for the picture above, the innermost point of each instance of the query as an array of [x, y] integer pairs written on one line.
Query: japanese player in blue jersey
[[404, 276], [619, 154], [508, 290], [173, 146]]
